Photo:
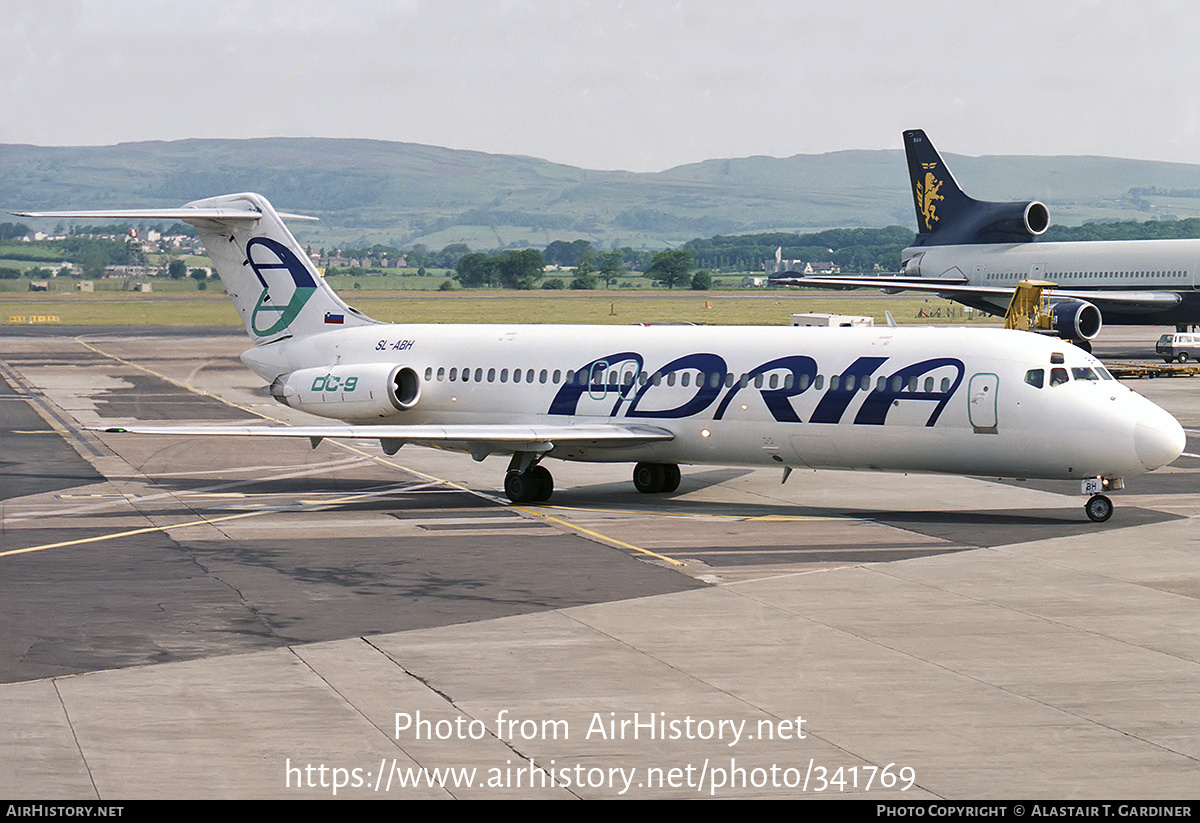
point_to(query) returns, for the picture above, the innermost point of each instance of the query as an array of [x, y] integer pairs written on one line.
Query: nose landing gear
[[1099, 508]]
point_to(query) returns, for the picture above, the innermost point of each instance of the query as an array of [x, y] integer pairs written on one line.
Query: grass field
[[756, 308]]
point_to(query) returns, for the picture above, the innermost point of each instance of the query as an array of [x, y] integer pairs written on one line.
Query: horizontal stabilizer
[[186, 215], [276, 288]]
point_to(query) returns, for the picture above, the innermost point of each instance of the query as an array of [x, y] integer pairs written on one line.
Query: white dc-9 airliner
[[957, 401]]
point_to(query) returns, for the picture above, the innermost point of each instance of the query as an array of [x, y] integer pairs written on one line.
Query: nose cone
[[1158, 438]]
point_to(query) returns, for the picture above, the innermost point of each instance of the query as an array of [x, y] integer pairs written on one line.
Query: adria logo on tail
[[265, 257]]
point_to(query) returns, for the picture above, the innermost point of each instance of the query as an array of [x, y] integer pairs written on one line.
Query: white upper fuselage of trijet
[[1155, 278]]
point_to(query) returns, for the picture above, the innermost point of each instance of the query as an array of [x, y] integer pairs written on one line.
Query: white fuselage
[[893, 399], [960, 401], [1161, 266]]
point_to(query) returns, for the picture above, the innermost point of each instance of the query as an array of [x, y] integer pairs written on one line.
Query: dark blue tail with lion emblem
[[947, 216]]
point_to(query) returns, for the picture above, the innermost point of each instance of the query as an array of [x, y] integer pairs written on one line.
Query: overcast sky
[[639, 85]]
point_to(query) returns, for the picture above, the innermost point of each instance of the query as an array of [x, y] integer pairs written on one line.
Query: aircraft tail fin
[[277, 290], [946, 215], [274, 285]]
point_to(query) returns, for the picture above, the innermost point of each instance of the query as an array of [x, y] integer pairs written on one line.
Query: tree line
[[853, 250]]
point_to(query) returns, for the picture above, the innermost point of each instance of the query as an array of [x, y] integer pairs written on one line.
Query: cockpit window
[[1083, 374], [1058, 377], [1035, 377], [1056, 358]]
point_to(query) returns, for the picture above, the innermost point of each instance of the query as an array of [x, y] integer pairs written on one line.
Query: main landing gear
[[526, 481], [655, 478], [529, 482], [535, 485]]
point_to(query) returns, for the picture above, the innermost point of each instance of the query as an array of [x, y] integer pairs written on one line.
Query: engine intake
[[1076, 320], [1036, 218]]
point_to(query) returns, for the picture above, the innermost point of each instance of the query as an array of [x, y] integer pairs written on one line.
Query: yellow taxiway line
[[346, 446]]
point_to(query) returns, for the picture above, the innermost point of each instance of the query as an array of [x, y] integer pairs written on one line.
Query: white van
[[1178, 346]]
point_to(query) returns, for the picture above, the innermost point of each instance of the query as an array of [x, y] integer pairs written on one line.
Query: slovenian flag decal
[[336, 319]]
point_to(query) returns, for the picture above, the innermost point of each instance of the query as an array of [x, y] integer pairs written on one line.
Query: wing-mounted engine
[[350, 392], [1076, 320], [1066, 317]]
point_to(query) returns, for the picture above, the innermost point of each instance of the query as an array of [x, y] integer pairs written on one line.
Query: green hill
[[368, 191]]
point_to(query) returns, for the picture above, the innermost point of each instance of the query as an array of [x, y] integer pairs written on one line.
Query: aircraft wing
[[484, 438], [1133, 302]]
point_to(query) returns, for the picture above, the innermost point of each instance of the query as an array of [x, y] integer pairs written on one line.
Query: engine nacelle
[[980, 221], [360, 392], [1076, 320], [1010, 222]]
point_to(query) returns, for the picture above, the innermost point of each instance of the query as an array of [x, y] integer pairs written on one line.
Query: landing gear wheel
[[1099, 508], [532, 486], [649, 478], [544, 482], [672, 477], [518, 486]]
